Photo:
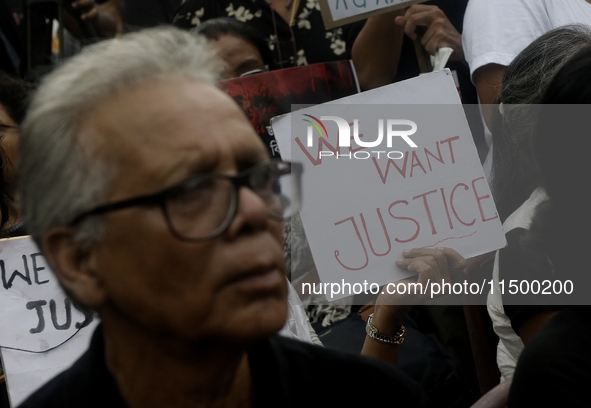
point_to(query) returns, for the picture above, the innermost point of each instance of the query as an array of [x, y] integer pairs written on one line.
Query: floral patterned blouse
[[310, 42]]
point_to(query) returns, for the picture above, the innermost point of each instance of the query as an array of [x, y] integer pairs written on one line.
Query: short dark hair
[[14, 95], [215, 28]]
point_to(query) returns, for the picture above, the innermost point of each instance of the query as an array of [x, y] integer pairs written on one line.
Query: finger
[[449, 263], [92, 14], [441, 33], [409, 29], [427, 270], [432, 256], [423, 251], [415, 16], [400, 21], [414, 265], [456, 262], [423, 18], [419, 8], [78, 4], [416, 20], [431, 40]]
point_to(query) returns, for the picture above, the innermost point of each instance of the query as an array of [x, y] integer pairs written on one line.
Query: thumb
[[456, 262]]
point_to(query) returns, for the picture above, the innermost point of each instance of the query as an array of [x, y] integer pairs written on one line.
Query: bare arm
[[104, 18], [429, 264], [488, 80], [439, 31], [376, 50], [114, 8], [388, 319]]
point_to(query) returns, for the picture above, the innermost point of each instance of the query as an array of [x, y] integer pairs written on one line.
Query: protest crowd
[[144, 159]]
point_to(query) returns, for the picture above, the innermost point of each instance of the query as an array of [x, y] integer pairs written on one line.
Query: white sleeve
[[495, 31]]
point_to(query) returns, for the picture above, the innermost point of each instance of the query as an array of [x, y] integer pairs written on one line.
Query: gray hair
[[515, 173], [61, 174]]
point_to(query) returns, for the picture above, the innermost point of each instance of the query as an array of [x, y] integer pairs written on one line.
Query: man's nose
[[251, 213]]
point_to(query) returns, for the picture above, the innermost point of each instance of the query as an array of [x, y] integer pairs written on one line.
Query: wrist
[[388, 317], [374, 331]]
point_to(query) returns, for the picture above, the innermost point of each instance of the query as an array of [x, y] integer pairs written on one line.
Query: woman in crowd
[[242, 47], [14, 95], [554, 368], [516, 185]]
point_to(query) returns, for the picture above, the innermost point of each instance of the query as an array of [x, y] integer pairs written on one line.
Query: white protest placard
[[41, 332], [340, 12], [362, 206]]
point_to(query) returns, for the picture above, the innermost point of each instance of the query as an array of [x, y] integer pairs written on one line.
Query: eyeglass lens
[[206, 208]]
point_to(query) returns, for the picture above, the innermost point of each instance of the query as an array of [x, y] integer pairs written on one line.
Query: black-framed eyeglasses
[[203, 207]]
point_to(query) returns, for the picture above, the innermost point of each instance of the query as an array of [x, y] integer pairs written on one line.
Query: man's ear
[[73, 266]]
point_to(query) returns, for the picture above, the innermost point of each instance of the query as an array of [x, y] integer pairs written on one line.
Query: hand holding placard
[[340, 12], [364, 205]]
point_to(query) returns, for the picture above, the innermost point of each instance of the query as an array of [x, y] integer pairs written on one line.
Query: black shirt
[[522, 260], [285, 373], [554, 369]]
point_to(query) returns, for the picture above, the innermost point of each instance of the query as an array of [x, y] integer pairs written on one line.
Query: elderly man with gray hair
[[156, 205]]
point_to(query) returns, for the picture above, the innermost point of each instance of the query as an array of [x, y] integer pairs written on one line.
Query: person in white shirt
[[495, 31]]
